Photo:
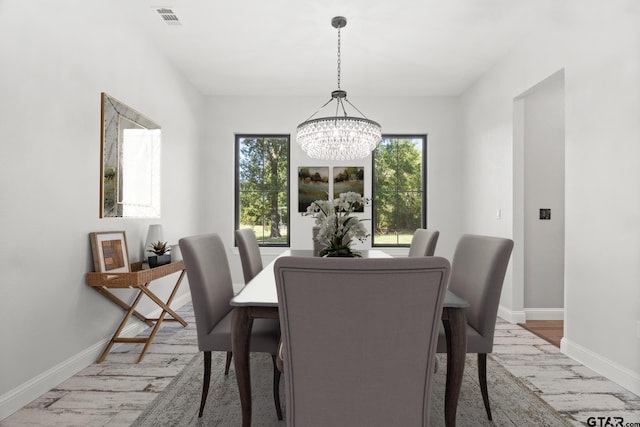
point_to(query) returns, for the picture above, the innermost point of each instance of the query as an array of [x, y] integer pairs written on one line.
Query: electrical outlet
[[638, 329]]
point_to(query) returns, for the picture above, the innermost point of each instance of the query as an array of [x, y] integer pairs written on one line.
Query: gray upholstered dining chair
[[211, 288], [423, 242], [373, 313], [249, 253], [477, 273]]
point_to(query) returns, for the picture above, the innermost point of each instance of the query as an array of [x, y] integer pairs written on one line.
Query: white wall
[[600, 53], [226, 116], [544, 188], [52, 73]]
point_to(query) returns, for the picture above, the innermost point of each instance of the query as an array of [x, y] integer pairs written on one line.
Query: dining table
[[259, 299]]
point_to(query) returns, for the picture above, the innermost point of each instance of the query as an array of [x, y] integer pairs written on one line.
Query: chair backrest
[[249, 253], [477, 274], [359, 338], [205, 259], [423, 242]]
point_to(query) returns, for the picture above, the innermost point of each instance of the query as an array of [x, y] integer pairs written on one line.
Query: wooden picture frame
[[110, 253]]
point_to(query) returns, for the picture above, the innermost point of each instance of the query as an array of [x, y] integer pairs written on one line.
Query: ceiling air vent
[[168, 16]]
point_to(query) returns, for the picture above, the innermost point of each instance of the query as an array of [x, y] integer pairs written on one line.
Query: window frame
[[423, 188], [237, 192]]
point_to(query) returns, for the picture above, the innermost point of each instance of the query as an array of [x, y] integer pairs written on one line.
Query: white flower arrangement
[[336, 224]]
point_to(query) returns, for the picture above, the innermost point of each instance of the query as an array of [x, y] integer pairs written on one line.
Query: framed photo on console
[[109, 250]]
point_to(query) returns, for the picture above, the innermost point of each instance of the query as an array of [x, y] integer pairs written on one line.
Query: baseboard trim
[[27, 392], [603, 366], [522, 316], [544, 313], [510, 315]]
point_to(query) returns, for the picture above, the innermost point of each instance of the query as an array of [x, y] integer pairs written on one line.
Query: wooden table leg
[[160, 318], [241, 324], [455, 323], [162, 305], [122, 304], [116, 334], [140, 280]]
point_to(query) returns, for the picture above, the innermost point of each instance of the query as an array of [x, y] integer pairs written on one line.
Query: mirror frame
[[112, 114]]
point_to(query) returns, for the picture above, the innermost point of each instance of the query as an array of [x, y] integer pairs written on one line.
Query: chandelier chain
[[339, 63], [340, 137]]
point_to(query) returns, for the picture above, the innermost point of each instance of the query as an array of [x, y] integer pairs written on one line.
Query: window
[[262, 187], [399, 189]]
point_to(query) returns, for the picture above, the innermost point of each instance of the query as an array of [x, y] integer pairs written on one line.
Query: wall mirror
[[130, 168]]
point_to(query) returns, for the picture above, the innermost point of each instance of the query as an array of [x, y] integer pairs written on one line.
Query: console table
[[139, 279]]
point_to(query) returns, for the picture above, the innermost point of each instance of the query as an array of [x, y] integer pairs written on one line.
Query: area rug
[[512, 403]]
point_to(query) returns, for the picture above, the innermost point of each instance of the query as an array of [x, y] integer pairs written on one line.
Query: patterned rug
[[512, 404]]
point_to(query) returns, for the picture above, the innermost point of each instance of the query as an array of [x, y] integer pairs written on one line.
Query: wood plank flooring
[[549, 330], [115, 392]]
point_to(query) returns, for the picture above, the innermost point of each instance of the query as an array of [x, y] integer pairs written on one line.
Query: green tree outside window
[[399, 196], [262, 187]]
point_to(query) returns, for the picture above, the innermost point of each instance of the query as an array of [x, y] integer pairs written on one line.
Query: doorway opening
[[539, 199]]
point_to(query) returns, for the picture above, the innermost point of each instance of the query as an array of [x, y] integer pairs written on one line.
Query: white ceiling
[[288, 47]]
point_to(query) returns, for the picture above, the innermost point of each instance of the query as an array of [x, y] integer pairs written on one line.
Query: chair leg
[[228, 364], [206, 380], [276, 387], [482, 377]]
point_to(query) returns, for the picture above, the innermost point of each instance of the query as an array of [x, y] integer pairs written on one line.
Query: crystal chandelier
[[340, 137]]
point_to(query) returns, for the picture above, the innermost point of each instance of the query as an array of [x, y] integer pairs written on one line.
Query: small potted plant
[[162, 256]]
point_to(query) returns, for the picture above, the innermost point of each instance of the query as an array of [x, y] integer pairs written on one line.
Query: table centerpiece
[[336, 224]]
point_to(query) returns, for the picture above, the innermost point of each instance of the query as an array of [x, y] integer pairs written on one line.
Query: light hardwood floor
[[115, 392], [550, 330]]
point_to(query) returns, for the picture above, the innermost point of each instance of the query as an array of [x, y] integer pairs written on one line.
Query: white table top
[[261, 290]]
